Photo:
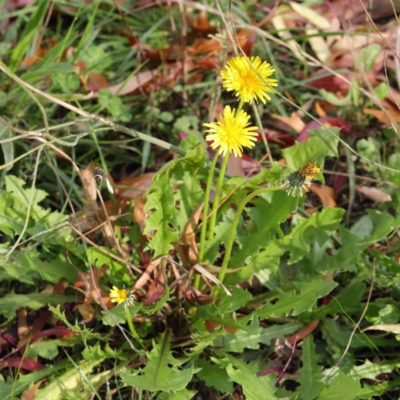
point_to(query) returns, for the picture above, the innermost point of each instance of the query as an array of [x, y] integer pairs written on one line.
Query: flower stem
[[131, 326], [205, 214], [217, 196], [229, 244], [259, 124]]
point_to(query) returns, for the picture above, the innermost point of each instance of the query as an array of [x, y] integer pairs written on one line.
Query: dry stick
[[94, 117], [356, 326]]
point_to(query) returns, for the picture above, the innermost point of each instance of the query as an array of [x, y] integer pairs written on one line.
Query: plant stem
[[205, 214], [229, 244], [131, 326], [217, 196], [259, 124]]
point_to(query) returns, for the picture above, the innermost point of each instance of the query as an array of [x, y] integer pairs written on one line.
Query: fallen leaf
[[294, 121], [40, 52], [304, 332], [133, 187], [30, 393], [135, 82], [188, 236], [146, 274], [23, 363], [156, 289], [374, 193], [325, 193]]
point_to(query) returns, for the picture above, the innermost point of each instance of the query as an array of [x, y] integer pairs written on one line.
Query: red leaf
[[26, 364]]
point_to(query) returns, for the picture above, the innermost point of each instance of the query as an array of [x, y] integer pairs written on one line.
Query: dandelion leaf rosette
[[161, 372]]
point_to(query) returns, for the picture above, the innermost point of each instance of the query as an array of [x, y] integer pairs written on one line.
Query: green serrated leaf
[[241, 339], [12, 301], [71, 381], [346, 301], [29, 266], [157, 375], [297, 243], [253, 385], [267, 216], [369, 392], [183, 394], [368, 370], [214, 376], [49, 348], [193, 160], [296, 303], [163, 218], [99, 352], [310, 380], [81, 329], [343, 387]]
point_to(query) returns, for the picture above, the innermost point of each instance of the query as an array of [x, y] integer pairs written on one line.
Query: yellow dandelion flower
[[309, 170], [231, 133], [118, 295], [299, 182], [240, 77]]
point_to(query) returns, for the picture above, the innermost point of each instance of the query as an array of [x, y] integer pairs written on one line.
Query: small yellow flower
[[309, 170], [240, 77], [231, 133], [299, 182], [118, 295]]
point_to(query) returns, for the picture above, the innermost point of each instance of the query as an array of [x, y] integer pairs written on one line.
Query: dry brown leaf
[[188, 236], [40, 52], [374, 193], [294, 121], [325, 193], [304, 332], [89, 187], [156, 289], [23, 328], [133, 187], [30, 394], [86, 310], [146, 274], [135, 82]]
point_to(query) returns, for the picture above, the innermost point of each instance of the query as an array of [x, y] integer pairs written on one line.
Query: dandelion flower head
[[299, 182], [118, 295], [231, 133], [239, 76]]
